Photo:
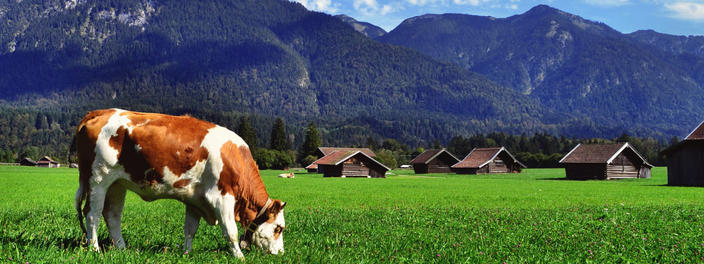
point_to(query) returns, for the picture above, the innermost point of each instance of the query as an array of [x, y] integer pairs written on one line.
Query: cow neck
[[254, 207]]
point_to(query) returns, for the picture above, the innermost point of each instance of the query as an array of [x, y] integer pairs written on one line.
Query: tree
[[247, 133], [386, 157], [310, 144], [279, 141]]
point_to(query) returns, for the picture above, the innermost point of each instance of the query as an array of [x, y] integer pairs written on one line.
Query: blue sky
[[672, 17]]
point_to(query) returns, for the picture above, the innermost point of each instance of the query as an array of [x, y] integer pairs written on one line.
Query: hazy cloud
[[687, 10], [607, 2], [423, 2], [372, 7], [320, 5], [469, 2]]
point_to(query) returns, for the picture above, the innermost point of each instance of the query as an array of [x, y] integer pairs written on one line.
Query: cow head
[[268, 235]]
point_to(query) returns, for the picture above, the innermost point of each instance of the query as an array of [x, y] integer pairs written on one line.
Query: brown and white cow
[[207, 167]]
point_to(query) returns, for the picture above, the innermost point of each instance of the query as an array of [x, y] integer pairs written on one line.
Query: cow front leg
[[95, 207], [190, 227], [112, 212], [226, 214]]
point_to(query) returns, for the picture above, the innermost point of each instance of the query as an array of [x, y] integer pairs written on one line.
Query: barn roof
[[46, 159], [429, 155], [598, 153], [312, 166], [337, 157], [479, 157], [697, 133], [328, 150]]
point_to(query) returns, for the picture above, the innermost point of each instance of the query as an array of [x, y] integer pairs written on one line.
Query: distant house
[[312, 168], [605, 161], [434, 161], [488, 160], [685, 159], [28, 162], [352, 163], [324, 151], [47, 162]]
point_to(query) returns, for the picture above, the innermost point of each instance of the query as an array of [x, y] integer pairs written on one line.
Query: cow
[[205, 166]]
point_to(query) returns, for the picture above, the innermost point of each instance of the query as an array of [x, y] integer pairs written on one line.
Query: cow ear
[[276, 207]]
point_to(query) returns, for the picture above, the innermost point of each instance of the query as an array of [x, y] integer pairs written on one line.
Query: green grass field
[[531, 217]]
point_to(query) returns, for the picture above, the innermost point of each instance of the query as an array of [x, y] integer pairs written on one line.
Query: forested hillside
[[573, 65], [221, 60]]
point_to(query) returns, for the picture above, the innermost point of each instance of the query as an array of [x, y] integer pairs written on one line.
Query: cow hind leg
[[190, 226], [112, 212], [94, 207]]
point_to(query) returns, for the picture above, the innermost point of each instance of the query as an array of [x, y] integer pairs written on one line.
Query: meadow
[[534, 217]]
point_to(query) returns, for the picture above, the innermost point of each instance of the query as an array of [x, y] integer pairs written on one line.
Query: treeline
[[34, 134]]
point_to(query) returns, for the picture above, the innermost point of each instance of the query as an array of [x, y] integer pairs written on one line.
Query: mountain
[[221, 60], [693, 45], [365, 28], [570, 64]]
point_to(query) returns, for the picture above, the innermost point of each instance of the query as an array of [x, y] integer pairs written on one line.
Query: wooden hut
[[28, 162], [47, 162], [685, 160], [605, 161], [324, 151], [351, 164], [488, 160], [434, 161]]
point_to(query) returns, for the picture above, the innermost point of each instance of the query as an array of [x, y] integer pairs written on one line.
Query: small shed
[[47, 162], [324, 151], [28, 162], [604, 162], [312, 168], [351, 164], [685, 160], [488, 160], [434, 161]]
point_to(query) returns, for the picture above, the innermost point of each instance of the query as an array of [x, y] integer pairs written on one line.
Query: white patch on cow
[[137, 147], [264, 236]]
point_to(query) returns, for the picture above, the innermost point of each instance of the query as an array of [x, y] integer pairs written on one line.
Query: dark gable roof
[[337, 157], [697, 135], [598, 153], [479, 157], [429, 155], [328, 150]]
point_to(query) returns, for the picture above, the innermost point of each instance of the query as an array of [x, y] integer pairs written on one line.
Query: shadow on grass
[[554, 179]]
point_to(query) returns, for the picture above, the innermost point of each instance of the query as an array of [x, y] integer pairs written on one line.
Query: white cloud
[[607, 2], [372, 7], [687, 10], [320, 5], [469, 2], [424, 2]]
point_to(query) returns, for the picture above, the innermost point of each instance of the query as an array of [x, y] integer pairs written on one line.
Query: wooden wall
[[686, 165], [585, 171]]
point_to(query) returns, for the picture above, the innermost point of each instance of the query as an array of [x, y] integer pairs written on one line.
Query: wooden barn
[[351, 164], [685, 160], [434, 161], [47, 162], [488, 160], [28, 162], [324, 151], [604, 162]]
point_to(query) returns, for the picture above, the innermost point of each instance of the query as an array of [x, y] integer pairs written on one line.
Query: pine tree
[[247, 133], [279, 141], [310, 143]]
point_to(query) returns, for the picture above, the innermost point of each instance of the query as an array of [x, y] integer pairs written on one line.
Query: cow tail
[[80, 196]]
